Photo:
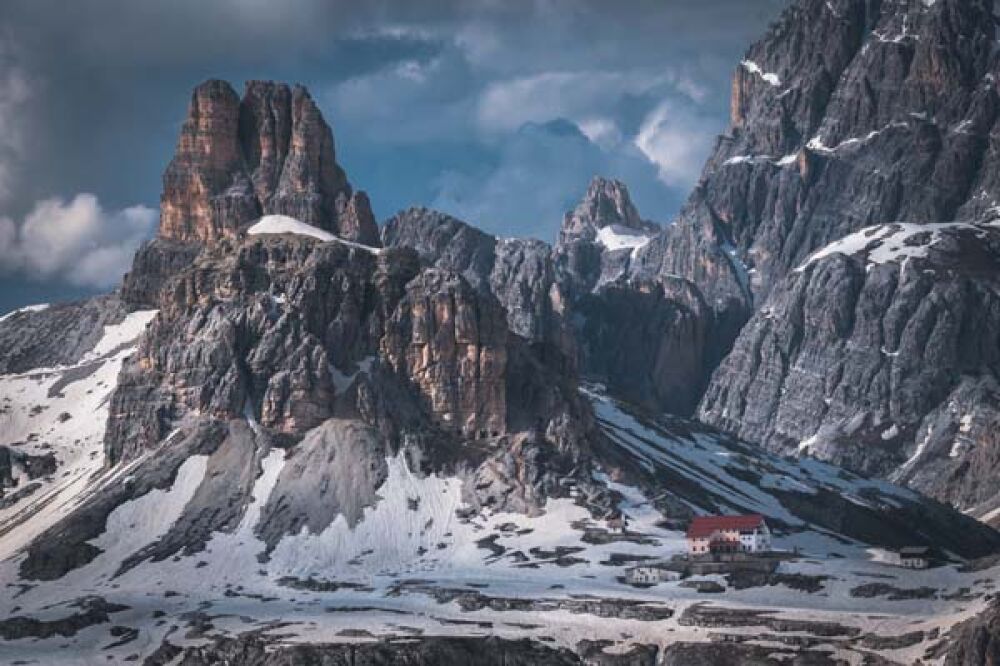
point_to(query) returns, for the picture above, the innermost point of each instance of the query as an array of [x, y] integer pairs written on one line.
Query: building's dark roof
[[915, 551], [704, 526]]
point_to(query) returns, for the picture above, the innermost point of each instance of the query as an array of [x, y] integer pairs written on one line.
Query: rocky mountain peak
[[852, 113], [858, 185], [607, 202], [270, 152]]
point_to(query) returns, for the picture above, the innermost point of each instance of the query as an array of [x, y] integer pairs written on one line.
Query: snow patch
[[144, 520], [769, 77], [62, 411], [388, 537], [616, 237], [785, 160], [283, 224], [890, 432], [886, 243], [117, 335], [817, 145]]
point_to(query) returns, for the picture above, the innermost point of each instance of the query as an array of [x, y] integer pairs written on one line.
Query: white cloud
[[407, 101], [509, 104], [75, 241], [579, 96], [677, 141], [602, 131]]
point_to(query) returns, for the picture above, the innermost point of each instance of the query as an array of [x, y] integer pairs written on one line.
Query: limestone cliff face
[[288, 332], [518, 272], [206, 192], [878, 352], [883, 359], [648, 339], [452, 345], [846, 114], [256, 330], [270, 152]]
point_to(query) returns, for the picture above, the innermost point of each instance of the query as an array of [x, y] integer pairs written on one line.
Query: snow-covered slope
[[420, 561], [59, 414]]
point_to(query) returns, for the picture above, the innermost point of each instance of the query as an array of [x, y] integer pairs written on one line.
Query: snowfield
[[413, 561], [61, 411]]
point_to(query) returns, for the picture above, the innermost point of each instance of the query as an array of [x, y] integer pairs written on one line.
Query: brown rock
[[451, 343], [206, 195], [269, 153], [357, 222]]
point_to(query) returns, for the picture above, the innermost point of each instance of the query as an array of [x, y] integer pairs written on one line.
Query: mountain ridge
[[427, 433]]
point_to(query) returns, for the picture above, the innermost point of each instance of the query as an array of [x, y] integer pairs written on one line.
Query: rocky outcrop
[[356, 221], [651, 338], [18, 469], [253, 650], [599, 237], [517, 272], [207, 193], [848, 114], [882, 359], [606, 203], [289, 332], [975, 641], [59, 334], [269, 153], [452, 345], [255, 329], [154, 264], [577, 302], [92, 611], [738, 654], [288, 150]]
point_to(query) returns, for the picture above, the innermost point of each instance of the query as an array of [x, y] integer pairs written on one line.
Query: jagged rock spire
[[269, 153], [606, 202]]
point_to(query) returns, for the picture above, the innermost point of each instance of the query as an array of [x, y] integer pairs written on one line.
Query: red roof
[[704, 526]]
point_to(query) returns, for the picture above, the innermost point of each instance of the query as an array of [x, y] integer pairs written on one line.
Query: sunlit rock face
[[270, 152]]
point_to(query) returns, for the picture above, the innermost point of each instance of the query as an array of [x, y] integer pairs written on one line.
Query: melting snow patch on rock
[[618, 237], [769, 77], [885, 243], [283, 224]]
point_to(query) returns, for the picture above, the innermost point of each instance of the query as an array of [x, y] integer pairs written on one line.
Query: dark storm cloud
[[453, 104]]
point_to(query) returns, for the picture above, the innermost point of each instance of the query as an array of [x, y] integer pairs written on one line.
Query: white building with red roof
[[708, 535]]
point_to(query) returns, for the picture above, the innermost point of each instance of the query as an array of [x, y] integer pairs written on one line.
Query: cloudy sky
[[496, 111]]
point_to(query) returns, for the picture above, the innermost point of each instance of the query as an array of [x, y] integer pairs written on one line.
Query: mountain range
[[295, 435]]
